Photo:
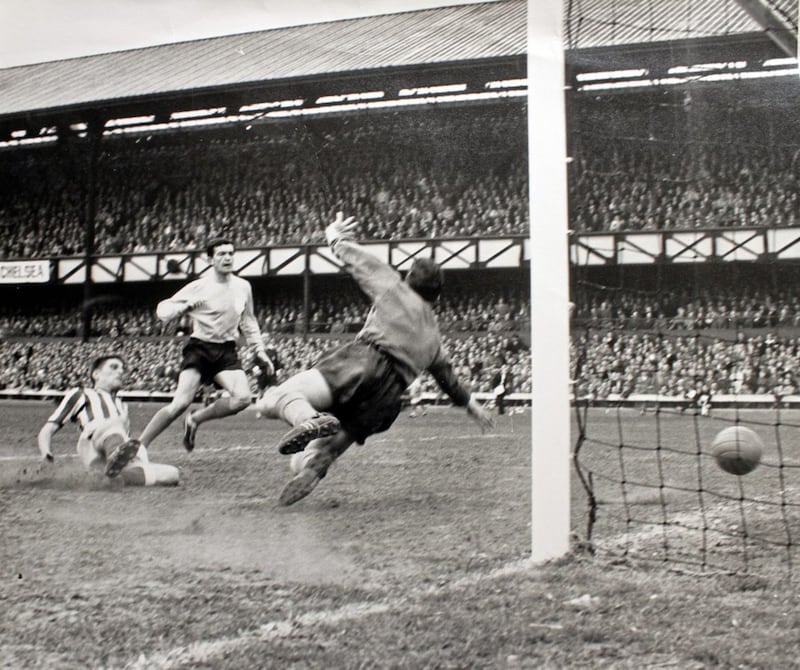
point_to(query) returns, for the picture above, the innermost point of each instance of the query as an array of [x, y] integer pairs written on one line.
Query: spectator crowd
[[619, 363], [737, 335], [628, 186], [403, 175], [460, 310], [58, 364], [662, 167], [423, 174], [734, 305]]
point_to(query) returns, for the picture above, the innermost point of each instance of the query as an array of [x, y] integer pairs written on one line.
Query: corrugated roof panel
[[484, 30], [593, 23], [440, 35]]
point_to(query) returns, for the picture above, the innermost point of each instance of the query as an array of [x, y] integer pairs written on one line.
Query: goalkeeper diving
[[355, 390]]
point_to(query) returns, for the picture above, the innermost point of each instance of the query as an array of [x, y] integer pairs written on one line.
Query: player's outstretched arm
[[373, 276], [45, 440], [448, 381], [341, 229], [480, 414], [183, 302]]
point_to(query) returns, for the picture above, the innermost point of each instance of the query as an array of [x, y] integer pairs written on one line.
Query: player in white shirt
[[104, 442], [220, 306]]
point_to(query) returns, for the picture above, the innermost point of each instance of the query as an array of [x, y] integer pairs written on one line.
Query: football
[[737, 449]]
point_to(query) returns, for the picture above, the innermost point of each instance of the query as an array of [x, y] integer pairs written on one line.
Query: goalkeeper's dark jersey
[[400, 323]]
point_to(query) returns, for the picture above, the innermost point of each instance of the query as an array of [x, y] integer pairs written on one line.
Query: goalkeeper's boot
[[321, 425], [304, 482], [121, 456], [189, 432]]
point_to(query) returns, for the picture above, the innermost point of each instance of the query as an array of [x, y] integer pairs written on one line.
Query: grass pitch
[[410, 554]]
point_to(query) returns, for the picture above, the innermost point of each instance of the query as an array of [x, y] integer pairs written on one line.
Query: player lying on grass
[[104, 443], [355, 391]]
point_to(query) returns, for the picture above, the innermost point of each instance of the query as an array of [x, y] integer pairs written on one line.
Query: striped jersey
[[82, 405]]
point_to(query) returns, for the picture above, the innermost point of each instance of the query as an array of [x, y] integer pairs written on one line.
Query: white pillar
[[550, 450]]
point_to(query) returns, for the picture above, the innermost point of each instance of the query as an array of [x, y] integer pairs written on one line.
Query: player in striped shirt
[[102, 417]]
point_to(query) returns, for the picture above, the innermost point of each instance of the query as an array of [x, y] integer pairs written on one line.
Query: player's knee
[[277, 399], [269, 400], [178, 406], [110, 442]]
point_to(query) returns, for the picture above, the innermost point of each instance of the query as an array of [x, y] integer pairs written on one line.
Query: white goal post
[[550, 449]]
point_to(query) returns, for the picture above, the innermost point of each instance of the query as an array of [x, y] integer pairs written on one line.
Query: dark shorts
[[366, 388], [209, 358]]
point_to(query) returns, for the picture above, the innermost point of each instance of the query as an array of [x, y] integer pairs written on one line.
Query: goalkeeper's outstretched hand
[[482, 416], [341, 228]]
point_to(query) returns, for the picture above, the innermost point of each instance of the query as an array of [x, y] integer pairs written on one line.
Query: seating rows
[[411, 175], [606, 363], [732, 305], [457, 311], [53, 364]]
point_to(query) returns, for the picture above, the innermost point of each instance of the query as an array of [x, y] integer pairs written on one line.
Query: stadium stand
[[170, 193], [721, 307], [276, 186], [56, 364], [634, 186]]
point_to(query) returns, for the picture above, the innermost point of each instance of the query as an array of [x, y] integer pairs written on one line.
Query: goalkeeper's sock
[[294, 408]]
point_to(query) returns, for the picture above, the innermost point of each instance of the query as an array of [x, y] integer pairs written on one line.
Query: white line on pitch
[[205, 651], [384, 440], [261, 447], [30, 457]]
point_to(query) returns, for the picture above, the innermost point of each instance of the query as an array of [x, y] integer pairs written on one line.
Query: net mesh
[[655, 492], [681, 123]]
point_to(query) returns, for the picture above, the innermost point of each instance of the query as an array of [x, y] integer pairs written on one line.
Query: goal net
[[684, 218]]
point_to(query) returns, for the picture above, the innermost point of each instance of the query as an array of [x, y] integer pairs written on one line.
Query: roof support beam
[[778, 28]]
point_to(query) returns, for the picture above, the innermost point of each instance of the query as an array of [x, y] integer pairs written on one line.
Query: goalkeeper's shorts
[[366, 388]]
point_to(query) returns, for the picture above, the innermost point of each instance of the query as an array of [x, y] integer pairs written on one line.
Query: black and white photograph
[[380, 334]]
